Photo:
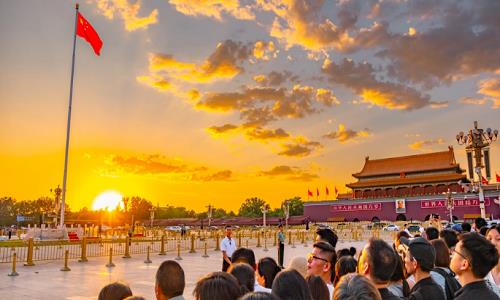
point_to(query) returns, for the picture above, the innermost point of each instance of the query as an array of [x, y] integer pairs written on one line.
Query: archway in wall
[[401, 217], [375, 219], [355, 220]]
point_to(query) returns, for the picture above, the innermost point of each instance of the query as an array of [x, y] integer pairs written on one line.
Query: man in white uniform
[[227, 246]]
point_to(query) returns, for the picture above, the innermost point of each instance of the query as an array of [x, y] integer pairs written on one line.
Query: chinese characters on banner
[[357, 207], [457, 203]]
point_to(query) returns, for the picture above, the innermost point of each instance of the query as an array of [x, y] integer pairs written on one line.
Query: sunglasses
[[311, 256]]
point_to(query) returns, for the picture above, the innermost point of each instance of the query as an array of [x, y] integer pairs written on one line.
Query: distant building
[[404, 188]]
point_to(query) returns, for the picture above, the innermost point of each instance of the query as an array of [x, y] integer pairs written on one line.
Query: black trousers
[[281, 254], [225, 265]]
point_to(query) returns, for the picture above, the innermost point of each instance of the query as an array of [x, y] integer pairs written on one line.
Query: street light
[[152, 214], [209, 214], [287, 213], [264, 210], [450, 203], [477, 142]]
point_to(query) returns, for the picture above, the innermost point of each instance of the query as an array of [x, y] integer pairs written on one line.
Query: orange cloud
[[425, 145], [344, 135], [299, 147], [265, 51], [263, 134], [490, 88], [128, 12], [291, 173], [213, 8]]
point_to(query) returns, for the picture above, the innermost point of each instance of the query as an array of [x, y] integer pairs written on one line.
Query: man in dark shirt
[[473, 257], [419, 261], [377, 262]]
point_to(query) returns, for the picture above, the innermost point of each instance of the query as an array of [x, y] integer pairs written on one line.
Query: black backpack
[[452, 285]]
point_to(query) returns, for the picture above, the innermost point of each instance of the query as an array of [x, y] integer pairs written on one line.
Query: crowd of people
[[460, 263]]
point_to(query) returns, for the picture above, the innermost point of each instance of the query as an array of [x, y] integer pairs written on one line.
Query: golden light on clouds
[[128, 12]]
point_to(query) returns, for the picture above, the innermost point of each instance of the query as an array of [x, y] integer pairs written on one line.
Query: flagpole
[[68, 129]]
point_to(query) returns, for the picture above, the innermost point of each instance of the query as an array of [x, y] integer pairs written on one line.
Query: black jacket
[[387, 295], [427, 289], [476, 290]]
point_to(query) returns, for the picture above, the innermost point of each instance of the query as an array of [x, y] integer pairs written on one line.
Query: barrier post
[[29, 257], [265, 242], [66, 268], [110, 264], [127, 248], [162, 245], [258, 239], [178, 251], [148, 261], [192, 244], [239, 239], [217, 246], [14, 258], [246, 243], [289, 237], [83, 257], [305, 238], [293, 243], [275, 239], [205, 255]]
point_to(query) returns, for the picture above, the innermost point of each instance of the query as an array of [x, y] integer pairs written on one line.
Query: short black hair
[[318, 287], [115, 290], [289, 284], [170, 279], [330, 255], [259, 296], [245, 276], [450, 237], [268, 268], [466, 227], [345, 265], [480, 223], [432, 233], [381, 259], [217, 286], [328, 235], [244, 255], [481, 253]]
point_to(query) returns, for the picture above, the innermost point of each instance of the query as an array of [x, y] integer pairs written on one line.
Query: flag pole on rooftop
[[63, 199]]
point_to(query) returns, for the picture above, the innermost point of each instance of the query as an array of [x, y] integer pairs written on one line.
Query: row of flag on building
[[327, 192], [485, 181]]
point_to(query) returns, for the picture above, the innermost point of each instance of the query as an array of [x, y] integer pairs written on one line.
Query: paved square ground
[[85, 280]]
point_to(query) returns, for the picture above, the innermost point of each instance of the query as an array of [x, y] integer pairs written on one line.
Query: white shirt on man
[[330, 289], [228, 245]]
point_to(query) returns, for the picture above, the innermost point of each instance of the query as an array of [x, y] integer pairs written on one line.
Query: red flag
[[86, 31], [327, 191], [317, 192], [484, 180], [498, 177], [309, 193], [336, 191]]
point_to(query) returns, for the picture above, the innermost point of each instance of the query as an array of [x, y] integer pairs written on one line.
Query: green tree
[[7, 211], [251, 207], [296, 206], [139, 207]]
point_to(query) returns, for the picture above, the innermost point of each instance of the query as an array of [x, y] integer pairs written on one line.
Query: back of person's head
[[318, 288], [170, 279], [345, 265], [480, 223], [259, 296], [268, 269], [245, 276], [352, 251], [244, 255], [299, 264], [483, 230], [380, 259], [355, 287], [289, 284], [432, 233], [217, 286], [466, 227], [399, 274], [346, 252], [442, 253], [115, 291], [481, 253], [327, 235], [450, 237], [135, 298]]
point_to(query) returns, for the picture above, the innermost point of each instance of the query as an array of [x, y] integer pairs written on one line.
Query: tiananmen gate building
[[406, 188]]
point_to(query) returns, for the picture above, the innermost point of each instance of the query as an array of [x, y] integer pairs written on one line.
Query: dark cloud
[[151, 164], [222, 129], [291, 173], [225, 175], [259, 133], [275, 78], [299, 148], [344, 135]]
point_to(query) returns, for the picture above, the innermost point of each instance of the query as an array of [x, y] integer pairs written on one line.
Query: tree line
[[41, 210]]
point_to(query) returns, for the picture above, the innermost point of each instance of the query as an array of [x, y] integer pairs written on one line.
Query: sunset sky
[[197, 102]]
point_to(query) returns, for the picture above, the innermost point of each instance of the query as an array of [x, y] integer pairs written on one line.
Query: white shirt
[[330, 289], [228, 245], [490, 282], [258, 288]]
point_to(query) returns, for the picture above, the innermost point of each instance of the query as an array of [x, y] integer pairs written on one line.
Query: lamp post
[[57, 204], [209, 214], [477, 142], [450, 203], [264, 210], [287, 213], [152, 214]]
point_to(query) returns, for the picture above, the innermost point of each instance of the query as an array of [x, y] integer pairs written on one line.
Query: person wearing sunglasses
[[472, 259], [321, 261]]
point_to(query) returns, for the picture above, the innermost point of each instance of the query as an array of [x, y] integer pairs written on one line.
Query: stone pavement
[[85, 280]]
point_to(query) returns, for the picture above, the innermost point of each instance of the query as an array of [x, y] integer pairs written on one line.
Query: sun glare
[[109, 201]]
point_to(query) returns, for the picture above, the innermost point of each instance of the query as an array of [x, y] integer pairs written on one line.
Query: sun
[[109, 200]]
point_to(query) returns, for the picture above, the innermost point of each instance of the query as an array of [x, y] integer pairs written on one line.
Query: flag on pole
[[87, 32], [484, 180], [498, 177], [309, 193], [327, 191], [336, 191]]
